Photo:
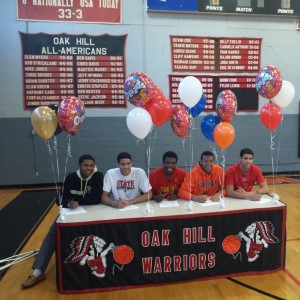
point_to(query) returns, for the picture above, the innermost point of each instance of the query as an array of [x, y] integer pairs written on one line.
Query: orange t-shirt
[[197, 182]]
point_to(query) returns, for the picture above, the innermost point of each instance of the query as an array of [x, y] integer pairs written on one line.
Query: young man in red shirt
[[241, 177], [166, 180]]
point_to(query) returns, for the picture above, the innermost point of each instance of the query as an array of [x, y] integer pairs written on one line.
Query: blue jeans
[[46, 250]]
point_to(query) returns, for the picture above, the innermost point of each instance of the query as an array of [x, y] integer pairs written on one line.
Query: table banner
[[116, 254]]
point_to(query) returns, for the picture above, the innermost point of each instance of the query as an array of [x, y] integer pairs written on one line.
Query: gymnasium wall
[[27, 159]]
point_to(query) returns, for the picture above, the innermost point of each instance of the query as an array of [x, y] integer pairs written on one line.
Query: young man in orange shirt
[[204, 181]]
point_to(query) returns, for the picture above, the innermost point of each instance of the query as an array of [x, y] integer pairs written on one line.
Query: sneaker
[[32, 280]]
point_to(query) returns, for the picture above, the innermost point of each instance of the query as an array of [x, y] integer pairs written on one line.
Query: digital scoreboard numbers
[[279, 8]]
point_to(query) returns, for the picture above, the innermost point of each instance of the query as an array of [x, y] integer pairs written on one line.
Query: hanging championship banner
[[83, 11], [91, 68], [210, 54]]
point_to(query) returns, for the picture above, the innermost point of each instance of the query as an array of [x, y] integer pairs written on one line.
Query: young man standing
[[166, 180], [125, 185], [241, 177], [83, 187], [204, 181]]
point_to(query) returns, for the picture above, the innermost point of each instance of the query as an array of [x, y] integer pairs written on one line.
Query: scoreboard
[[280, 8]]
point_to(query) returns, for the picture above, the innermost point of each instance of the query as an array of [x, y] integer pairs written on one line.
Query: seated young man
[[204, 181], [125, 185], [241, 177], [83, 187], [166, 180]]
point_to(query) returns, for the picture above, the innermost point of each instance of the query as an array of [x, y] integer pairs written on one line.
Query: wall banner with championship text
[[91, 68], [83, 11]]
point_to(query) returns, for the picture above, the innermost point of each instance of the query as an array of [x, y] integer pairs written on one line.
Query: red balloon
[[181, 121], [70, 115], [160, 110], [224, 134], [155, 92], [271, 115], [226, 105]]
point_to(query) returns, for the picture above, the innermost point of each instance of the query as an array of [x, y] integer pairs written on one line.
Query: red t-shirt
[[235, 177], [161, 185]]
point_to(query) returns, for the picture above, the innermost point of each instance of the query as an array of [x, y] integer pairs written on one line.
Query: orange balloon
[[224, 134]]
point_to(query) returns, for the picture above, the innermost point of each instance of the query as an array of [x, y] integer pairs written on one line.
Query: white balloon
[[190, 91], [286, 94], [139, 122]]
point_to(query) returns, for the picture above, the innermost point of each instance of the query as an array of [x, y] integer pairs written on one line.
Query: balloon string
[[279, 135], [214, 151], [56, 153], [69, 154], [192, 155], [184, 154], [272, 158], [155, 134], [148, 155], [57, 163], [223, 173], [52, 165]]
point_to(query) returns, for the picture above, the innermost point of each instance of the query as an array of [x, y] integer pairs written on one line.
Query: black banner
[[91, 68], [136, 252]]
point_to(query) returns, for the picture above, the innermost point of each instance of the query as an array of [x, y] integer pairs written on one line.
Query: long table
[[107, 249]]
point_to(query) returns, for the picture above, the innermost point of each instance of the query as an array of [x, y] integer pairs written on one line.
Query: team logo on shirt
[[125, 185]]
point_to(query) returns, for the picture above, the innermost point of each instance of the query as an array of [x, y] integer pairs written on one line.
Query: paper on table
[[165, 203], [262, 200], [129, 207], [71, 211], [208, 203]]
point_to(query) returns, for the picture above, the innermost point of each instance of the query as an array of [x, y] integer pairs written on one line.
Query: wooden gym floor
[[283, 284]]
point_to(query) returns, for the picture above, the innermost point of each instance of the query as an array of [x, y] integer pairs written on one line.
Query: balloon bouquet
[[226, 106], [269, 84], [52, 120], [280, 93], [152, 105], [191, 95]]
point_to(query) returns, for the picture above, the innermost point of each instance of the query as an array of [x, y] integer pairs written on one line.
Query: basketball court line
[[292, 277], [254, 289], [292, 240]]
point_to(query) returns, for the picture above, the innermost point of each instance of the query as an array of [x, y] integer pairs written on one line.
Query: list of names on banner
[[242, 86], [89, 67], [206, 54]]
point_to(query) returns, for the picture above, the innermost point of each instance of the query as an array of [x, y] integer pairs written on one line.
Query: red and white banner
[[83, 11], [210, 54]]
